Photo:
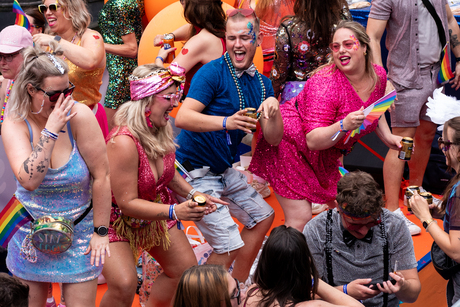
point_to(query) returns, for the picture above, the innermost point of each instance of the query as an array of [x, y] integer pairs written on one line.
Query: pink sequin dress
[[147, 187], [293, 170]]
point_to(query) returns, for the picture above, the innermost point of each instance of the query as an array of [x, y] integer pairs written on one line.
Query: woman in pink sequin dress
[[304, 167], [144, 213]]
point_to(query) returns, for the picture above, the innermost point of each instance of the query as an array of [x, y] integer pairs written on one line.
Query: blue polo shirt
[[214, 87]]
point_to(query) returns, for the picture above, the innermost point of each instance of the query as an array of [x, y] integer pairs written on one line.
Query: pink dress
[[293, 170], [147, 188]]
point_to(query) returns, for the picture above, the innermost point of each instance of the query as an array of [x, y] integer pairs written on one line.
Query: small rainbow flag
[[373, 113], [182, 171], [445, 72], [21, 19], [12, 217], [342, 171]]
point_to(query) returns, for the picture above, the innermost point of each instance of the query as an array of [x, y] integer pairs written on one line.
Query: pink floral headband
[[155, 82]]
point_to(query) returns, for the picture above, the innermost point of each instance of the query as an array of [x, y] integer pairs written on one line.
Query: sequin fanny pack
[[51, 235]]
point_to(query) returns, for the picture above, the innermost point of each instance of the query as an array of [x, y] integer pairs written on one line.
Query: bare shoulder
[[91, 35], [122, 145]]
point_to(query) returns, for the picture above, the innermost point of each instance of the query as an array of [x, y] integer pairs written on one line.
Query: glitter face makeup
[[355, 41], [252, 33]]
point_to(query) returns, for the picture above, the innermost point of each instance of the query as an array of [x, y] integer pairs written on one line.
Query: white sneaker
[[318, 208], [414, 229]]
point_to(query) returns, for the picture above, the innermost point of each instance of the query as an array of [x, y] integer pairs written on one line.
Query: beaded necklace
[[238, 86], [6, 100]]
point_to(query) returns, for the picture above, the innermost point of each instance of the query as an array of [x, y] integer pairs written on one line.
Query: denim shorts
[[245, 204]]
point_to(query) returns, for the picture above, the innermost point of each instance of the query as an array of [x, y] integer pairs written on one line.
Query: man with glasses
[[13, 39], [214, 123], [359, 243]]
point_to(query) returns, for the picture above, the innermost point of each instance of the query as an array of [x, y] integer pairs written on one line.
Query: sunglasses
[[347, 44], [244, 12], [237, 295], [172, 97], [355, 227], [54, 96], [8, 57], [444, 145], [43, 8]]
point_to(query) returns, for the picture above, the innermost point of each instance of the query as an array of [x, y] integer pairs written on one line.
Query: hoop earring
[[41, 108], [147, 118], [365, 52]]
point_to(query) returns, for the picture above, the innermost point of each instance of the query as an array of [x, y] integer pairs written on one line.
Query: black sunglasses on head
[[54, 96]]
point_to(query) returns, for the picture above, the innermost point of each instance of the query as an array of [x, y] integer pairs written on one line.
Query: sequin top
[[87, 82], [116, 19], [293, 170], [298, 52]]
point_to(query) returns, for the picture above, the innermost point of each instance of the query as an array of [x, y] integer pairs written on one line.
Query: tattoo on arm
[[453, 39], [29, 162], [163, 215]]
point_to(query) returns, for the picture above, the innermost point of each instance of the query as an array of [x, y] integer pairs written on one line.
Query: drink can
[[168, 42], [200, 199], [410, 191], [428, 197], [406, 150], [251, 112]]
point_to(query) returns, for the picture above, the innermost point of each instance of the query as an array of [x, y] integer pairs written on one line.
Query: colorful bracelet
[[174, 212], [45, 132], [171, 210], [224, 123], [345, 289], [161, 59], [338, 132]]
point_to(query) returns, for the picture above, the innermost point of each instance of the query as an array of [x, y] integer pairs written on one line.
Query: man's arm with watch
[[454, 36]]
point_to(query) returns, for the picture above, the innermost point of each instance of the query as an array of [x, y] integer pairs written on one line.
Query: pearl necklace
[[7, 96], [238, 86]]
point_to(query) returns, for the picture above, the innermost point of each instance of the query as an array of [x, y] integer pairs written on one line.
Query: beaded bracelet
[[161, 59], [190, 194], [342, 129], [345, 289], [45, 132]]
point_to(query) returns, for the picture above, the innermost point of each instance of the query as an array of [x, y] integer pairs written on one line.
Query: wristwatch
[[57, 38], [101, 231], [427, 223]]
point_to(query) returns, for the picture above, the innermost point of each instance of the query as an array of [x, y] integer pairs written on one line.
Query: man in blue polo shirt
[[214, 124]]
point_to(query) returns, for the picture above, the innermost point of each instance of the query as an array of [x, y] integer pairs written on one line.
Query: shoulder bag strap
[[385, 258], [442, 34]]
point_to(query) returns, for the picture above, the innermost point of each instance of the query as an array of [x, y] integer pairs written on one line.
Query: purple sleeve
[[381, 9]]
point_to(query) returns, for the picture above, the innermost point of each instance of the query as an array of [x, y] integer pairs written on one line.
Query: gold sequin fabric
[[87, 83], [298, 51]]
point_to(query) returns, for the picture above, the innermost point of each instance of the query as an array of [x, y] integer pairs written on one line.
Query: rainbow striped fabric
[[342, 171], [373, 113], [12, 217], [445, 72], [21, 19]]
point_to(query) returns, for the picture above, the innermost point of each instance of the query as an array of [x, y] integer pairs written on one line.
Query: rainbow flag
[[445, 72], [182, 171], [21, 19], [373, 113], [342, 171], [12, 217]]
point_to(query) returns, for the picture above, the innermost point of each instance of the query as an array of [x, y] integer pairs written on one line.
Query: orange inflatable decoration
[[166, 21], [153, 7]]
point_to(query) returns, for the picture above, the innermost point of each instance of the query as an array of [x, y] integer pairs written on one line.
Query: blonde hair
[[36, 67], [78, 13], [157, 142], [364, 40]]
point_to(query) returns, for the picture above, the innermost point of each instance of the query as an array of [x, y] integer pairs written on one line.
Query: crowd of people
[[109, 185]]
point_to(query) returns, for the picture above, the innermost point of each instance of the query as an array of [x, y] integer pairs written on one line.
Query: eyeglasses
[[42, 8], [54, 96], [172, 97], [244, 12], [444, 145], [347, 44], [237, 295], [355, 227], [36, 27], [8, 57]]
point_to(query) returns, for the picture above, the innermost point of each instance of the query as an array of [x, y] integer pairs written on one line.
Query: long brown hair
[[319, 15], [205, 14], [454, 124]]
